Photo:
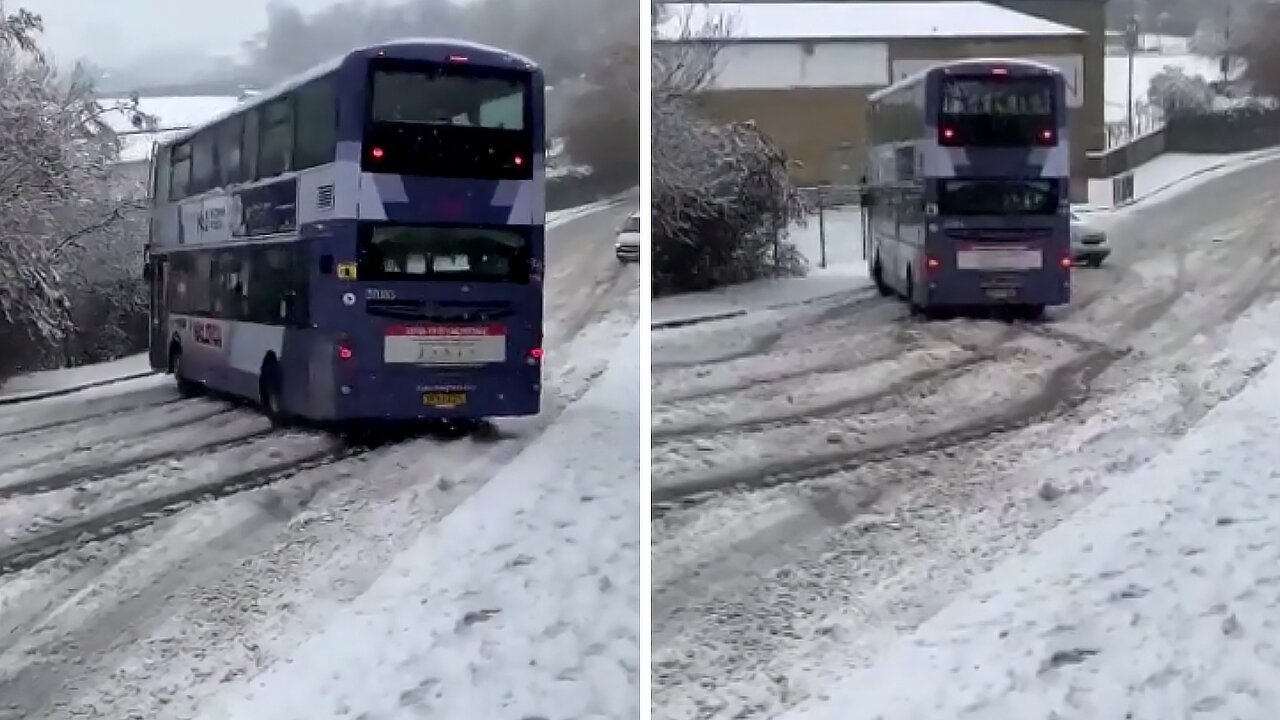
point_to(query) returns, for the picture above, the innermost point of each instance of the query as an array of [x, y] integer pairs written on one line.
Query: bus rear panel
[[978, 200], [436, 306]]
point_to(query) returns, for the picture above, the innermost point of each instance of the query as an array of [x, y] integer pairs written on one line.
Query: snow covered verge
[[845, 272], [523, 602], [1175, 173], [1156, 600], [67, 380]]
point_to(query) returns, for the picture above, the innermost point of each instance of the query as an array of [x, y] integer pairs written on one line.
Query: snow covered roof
[[859, 20]]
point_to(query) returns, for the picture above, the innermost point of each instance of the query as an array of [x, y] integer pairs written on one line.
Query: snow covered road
[[826, 477], [1156, 601], [140, 531]]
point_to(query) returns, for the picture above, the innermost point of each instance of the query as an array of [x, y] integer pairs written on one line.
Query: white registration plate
[[999, 258], [445, 344]]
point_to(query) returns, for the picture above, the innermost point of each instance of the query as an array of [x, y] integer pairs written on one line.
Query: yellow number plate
[[444, 400]]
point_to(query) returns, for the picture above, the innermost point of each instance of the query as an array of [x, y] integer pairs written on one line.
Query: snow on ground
[[53, 380], [559, 217], [846, 272], [1157, 600], [496, 594], [1176, 172]]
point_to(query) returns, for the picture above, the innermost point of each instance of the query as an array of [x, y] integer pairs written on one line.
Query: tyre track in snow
[[737, 619], [127, 519], [132, 452], [254, 543]]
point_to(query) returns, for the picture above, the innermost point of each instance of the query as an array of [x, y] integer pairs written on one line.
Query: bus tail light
[[932, 264], [1067, 262], [535, 355], [345, 351], [1047, 137], [377, 153], [947, 136]]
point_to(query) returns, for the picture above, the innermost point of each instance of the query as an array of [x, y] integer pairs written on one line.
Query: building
[[802, 71]]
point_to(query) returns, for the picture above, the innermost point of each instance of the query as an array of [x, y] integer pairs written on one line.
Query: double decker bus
[[363, 242], [966, 199]]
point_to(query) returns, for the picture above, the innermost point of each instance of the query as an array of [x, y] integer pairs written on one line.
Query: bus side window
[[275, 155], [316, 127]]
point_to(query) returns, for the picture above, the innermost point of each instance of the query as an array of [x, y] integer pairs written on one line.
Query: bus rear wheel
[[877, 276], [270, 383], [186, 388]]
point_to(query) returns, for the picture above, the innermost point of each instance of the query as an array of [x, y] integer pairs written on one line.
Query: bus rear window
[[438, 253], [997, 197], [1006, 97], [430, 94], [991, 111]]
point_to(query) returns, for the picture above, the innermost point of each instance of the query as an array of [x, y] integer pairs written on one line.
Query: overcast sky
[[110, 32]]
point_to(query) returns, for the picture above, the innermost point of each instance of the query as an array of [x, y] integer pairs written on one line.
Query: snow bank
[[1176, 173], [523, 602], [846, 271], [46, 381], [1156, 601]]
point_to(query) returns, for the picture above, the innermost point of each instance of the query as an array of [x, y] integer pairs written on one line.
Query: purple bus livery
[[966, 200], [362, 243]]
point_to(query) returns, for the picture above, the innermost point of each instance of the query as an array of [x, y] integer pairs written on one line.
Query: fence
[[825, 198], [1235, 131]]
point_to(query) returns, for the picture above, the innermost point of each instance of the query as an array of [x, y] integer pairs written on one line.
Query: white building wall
[[788, 65]]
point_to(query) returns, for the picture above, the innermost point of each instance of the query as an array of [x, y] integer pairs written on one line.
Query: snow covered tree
[[1177, 93], [1260, 49], [722, 195], [63, 209]]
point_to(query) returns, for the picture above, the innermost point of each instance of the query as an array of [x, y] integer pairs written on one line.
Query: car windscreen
[[632, 224], [388, 252]]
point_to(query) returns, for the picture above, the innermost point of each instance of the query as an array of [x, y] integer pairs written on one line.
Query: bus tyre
[[877, 276], [186, 388], [270, 383]]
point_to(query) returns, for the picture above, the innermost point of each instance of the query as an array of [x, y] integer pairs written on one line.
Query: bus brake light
[[519, 161], [932, 263], [345, 352], [1067, 262], [948, 135], [377, 153], [536, 353]]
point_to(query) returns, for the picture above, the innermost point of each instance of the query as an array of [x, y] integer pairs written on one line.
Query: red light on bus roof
[[948, 133], [377, 153], [458, 58], [519, 161], [999, 71]]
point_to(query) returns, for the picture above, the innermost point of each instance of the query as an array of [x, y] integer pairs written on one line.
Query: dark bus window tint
[[317, 127], [276, 152], [180, 178], [204, 162], [400, 252], [443, 95], [230, 136], [998, 197], [249, 148], [160, 178], [1020, 97]]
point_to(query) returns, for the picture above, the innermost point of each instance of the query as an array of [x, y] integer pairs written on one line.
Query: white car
[[627, 245], [1089, 246]]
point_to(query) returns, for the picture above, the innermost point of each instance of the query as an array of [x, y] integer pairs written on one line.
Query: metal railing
[[821, 199]]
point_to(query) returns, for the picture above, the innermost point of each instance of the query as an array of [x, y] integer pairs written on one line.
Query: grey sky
[[110, 32]]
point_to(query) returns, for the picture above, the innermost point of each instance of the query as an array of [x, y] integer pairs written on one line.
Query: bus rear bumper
[[401, 402], [1027, 291]]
